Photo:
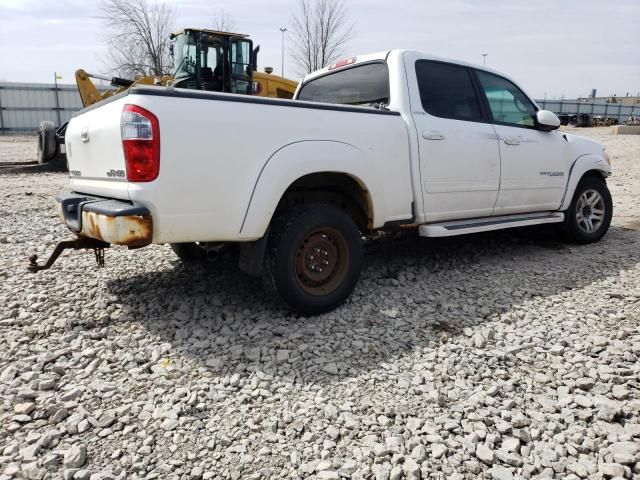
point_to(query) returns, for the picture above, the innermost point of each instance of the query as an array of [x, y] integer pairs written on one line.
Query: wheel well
[[595, 173], [338, 189]]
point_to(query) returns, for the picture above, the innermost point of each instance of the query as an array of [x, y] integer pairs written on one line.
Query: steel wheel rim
[[590, 211], [322, 261]]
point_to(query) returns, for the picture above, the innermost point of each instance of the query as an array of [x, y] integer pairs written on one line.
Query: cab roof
[[212, 32], [383, 55]]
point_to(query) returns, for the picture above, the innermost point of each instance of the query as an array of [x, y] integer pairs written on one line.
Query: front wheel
[[314, 258], [589, 215]]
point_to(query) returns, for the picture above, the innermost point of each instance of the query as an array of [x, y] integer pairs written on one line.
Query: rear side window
[[447, 91], [360, 85]]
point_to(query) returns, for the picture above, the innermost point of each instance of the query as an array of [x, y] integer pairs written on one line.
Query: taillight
[[141, 143]]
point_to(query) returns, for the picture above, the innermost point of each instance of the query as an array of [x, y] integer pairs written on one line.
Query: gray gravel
[[498, 356]]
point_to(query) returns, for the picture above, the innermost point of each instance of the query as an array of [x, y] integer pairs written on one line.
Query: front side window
[[508, 104], [447, 91], [364, 85]]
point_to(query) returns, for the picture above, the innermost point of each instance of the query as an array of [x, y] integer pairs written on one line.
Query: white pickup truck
[[380, 141]]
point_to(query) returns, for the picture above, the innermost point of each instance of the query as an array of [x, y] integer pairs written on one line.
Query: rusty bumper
[[113, 221]]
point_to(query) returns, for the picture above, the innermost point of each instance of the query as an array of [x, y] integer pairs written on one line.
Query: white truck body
[[227, 161]]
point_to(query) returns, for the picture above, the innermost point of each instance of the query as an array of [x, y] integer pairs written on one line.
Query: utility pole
[[282, 29], [484, 59], [55, 90]]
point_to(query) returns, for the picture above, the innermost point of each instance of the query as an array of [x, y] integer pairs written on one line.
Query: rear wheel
[[47, 142], [314, 258], [589, 215]]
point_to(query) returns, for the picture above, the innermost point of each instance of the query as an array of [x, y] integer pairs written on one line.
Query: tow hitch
[[97, 246]]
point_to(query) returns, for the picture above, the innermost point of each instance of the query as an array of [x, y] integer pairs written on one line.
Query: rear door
[[533, 162], [459, 156]]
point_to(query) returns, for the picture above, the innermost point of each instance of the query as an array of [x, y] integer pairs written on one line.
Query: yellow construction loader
[[203, 60]]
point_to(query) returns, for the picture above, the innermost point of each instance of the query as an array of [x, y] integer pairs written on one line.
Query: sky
[[552, 48]]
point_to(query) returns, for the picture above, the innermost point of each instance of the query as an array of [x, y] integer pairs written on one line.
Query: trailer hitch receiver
[[79, 243]]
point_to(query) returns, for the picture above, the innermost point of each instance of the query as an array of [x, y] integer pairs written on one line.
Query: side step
[[486, 224]]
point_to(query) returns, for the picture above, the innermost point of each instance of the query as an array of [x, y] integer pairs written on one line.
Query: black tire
[[47, 142], [190, 253], [290, 270], [575, 230]]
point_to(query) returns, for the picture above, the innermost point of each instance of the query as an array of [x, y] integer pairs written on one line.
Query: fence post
[[55, 80], [619, 113], [606, 109], [1, 119], [561, 103]]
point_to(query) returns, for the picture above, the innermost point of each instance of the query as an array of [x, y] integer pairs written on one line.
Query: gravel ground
[[505, 355], [18, 148]]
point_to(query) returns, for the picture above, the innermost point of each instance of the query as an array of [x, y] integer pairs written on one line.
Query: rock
[[411, 469], [330, 368], [106, 420], [509, 458], [624, 452], [577, 468], [24, 408], [485, 454], [282, 356], [396, 473], [381, 471], [75, 456], [196, 473], [585, 383], [8, 374], [419, 453], [328, 475], [169, 424], [82, 474], [510, 444], [438, 450], [610, 470], [348, 468], [498, 472], [619, 392]]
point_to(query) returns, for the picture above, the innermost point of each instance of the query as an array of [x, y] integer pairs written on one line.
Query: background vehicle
[[399, 139], [203, 60]]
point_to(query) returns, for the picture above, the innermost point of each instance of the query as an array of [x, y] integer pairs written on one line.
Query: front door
[[459, 153], [533, 163]]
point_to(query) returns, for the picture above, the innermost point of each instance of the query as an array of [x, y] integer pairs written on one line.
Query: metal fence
[[24, 105], [605, 110]]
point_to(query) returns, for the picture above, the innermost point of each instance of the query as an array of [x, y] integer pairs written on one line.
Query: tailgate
[[94, 150]]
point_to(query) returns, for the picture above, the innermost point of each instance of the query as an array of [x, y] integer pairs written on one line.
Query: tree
[[320, 30], [223, 22], [138, 36]]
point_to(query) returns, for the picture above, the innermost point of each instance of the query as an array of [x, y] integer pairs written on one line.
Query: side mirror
[[547, 121]]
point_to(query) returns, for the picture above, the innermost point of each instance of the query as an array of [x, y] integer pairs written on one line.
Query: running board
[[486, 224]]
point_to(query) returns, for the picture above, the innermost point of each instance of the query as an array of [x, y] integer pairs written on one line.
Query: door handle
[[511, 140], [432, 135]]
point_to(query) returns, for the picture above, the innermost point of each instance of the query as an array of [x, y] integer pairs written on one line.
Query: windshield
[[185, 56]]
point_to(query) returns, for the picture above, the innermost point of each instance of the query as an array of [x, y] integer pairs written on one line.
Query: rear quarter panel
[[213, 153]]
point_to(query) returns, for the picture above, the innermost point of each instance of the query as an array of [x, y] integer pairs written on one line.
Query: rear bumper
[[113, 221]]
